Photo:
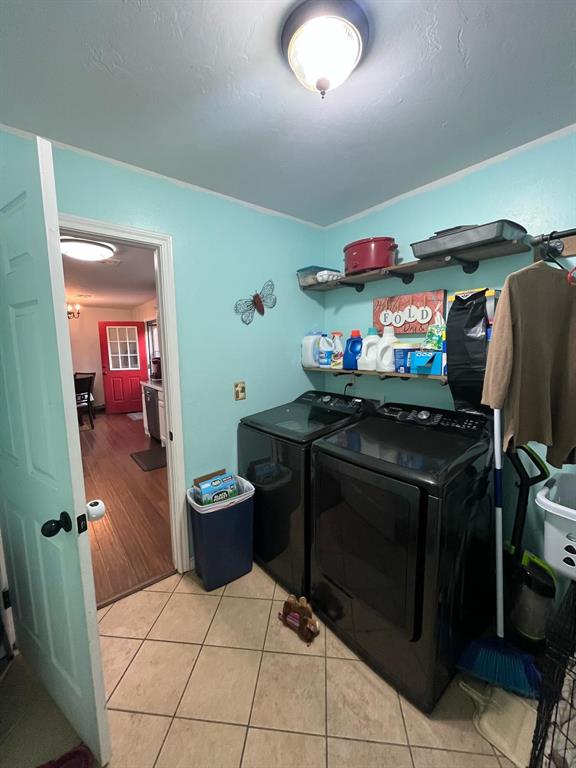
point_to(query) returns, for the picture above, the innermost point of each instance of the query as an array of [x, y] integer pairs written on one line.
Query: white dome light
[[324, 41], [86, 250], [324, 52]]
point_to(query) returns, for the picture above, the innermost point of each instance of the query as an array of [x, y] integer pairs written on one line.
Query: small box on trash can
[[218, 486], [223, 536]]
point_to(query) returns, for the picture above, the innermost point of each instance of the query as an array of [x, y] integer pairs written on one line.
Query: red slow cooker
[[370, 253]]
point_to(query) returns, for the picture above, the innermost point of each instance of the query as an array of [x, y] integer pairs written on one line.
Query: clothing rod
[[539, 239]]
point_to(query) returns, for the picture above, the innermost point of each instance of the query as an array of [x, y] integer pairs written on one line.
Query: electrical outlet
[[239, 390]]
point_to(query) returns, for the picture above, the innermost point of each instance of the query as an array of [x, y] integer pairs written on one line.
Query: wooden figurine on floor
[[297, 615]]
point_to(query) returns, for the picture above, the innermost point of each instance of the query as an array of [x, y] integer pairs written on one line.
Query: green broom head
[[497, 663]]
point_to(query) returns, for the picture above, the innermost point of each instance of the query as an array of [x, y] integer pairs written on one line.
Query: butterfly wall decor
[[256, 303]]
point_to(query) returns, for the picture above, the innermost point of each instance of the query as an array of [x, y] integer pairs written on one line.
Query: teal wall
[[223, 251], [535, 187]]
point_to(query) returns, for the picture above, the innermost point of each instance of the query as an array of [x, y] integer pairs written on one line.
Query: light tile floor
[[197, 680]]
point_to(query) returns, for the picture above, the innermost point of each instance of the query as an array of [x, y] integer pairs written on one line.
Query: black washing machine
[[274, 455], [401, 554]]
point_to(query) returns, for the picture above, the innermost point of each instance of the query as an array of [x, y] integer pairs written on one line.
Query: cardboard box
[[218, 486], [402, 358], [426, 363]]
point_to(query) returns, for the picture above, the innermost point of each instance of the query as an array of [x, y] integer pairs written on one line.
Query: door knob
[[52, 527]]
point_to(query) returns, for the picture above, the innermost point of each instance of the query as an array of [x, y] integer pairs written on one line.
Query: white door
[[50, 577]]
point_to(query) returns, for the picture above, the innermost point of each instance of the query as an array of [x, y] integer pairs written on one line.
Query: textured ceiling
[[125, 281], [199, 91]]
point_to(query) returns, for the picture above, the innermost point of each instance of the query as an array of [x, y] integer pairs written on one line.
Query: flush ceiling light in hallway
[[323, 41], [86, 250]]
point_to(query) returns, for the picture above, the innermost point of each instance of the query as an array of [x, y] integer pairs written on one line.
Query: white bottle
[[337, 361], [325, 350], [310, 349], [385, 356], [370, 344]]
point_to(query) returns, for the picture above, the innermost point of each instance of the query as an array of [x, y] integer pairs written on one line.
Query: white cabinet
[[162, 417], [144, 414], [158, 396]]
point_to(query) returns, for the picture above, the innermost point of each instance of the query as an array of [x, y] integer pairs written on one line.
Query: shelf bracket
[[345, 373], [406, 278], [469, 267], [358, 287]]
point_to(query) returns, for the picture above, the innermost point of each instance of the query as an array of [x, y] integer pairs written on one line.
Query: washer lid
[[416, 454], [300, 422]]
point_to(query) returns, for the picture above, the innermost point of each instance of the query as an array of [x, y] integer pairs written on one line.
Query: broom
[[492, 659]]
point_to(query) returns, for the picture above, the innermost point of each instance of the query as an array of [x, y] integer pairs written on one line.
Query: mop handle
[[498, 524]]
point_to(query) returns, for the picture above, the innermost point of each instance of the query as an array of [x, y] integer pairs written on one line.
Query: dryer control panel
[[437, 418], [335, 402]]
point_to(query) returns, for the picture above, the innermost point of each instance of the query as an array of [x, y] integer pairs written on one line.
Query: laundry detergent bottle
[[325, 349], [337, 362], [353, 351], [385, 362], [370, 344], [310, 349]]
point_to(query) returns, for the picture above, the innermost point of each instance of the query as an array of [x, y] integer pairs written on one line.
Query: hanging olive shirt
[[531, 368]]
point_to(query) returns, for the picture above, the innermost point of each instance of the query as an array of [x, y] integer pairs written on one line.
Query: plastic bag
[[467, 349]]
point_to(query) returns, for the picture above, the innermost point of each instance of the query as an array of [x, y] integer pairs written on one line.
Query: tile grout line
[[141, 639], [299, 733], [236, 648], [126, 670], [405, 729], [187, 680], [257, 679]]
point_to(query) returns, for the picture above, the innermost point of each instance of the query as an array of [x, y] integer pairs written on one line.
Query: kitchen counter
[[154, 383]]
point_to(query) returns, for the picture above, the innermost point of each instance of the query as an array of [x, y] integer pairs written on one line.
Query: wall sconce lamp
[[73, 312]]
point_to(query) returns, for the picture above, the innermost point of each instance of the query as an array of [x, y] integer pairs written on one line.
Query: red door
[[124, 364]]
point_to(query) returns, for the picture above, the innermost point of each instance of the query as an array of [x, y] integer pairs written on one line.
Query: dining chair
[[83, 386]]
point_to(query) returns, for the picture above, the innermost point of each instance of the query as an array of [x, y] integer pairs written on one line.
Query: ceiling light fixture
[[86, 250], [323, 41]]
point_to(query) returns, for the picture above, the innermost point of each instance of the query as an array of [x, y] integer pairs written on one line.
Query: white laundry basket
[[558, 500]]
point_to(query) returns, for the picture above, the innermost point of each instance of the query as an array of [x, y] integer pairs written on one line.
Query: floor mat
[[153, 458], [135, 416], [80, 757]]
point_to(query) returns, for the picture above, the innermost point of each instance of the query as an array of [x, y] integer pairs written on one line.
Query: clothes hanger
[[549, 252], [550, 257]]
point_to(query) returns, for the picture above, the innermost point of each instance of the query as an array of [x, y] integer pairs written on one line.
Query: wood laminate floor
[[131, 544]]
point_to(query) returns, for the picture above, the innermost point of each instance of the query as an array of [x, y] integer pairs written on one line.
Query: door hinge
[[170, 435], [6, 599]]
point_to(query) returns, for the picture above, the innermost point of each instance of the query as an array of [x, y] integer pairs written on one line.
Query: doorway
[[125, 384]]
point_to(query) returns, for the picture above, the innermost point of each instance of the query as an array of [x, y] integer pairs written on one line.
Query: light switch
[[239, 390]]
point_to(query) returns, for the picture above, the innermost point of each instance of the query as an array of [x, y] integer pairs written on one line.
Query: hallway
[[131, 544]]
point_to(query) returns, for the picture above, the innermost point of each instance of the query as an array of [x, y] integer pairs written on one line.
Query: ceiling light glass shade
[[324, 51], [323, 42], [85, 250]]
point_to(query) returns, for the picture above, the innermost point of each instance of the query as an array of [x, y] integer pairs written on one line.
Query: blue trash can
[[223, 536]]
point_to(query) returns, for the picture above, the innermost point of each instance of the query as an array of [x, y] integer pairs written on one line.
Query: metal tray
[[449, 241]]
